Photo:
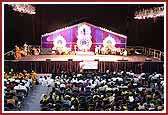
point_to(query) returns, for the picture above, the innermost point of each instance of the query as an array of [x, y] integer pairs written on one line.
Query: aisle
[[32, 101]]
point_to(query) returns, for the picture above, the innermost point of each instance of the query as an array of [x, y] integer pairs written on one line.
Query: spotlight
[[150, 13], [24, 8]]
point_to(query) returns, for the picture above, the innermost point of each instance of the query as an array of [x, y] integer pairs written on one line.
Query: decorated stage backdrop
[[83, 35]]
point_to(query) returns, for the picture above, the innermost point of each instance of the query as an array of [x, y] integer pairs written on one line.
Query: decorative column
[[75, 48], [99, 49], [96, 50], [70, 47]]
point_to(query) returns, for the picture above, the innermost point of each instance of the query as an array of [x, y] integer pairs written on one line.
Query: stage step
[[84, 53]]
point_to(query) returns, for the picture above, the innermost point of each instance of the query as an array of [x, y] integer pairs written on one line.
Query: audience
[[16, 88], [110, 91], [117, 91]]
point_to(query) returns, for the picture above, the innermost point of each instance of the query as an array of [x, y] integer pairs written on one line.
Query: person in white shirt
[[81, 81], [79, 75], [107, 71], [142, 74], [20, 87], [113, 79], [62, 85], [90, 81], [115, 88], [125, 53], [25, 46], [152, 107], [17, 81], [30, 80], [136, 79], [120, 79], [93, 85], [24, 81], [51, 82], [157, 75], [103, 81], [140, 88], [48, 78], [74, 80], [162, 83], [40, 80], [97, 81], [27, 83], [131, 99], [124, 87], [45, 82], [108, 89], [11, 79], [57, 81]]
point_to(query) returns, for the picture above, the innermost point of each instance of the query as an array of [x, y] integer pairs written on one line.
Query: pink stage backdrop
[[70, 34]]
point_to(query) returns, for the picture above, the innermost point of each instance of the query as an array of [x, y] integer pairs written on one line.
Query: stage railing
[[10, 53], [150, 52], [157, 54]]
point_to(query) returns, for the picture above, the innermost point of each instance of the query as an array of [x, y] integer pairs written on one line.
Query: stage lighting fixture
[[150, 13], [24, 8]]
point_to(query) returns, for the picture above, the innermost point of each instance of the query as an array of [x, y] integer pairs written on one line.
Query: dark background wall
[[118, 18]]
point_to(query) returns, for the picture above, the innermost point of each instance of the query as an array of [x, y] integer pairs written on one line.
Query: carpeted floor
[[32, 101]]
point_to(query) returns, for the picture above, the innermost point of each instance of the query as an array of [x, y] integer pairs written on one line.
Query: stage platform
[[71, 63], [57, 63], [103, 58]]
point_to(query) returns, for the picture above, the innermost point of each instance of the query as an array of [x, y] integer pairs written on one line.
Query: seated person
[[44, 100], [21, 87], [11, 99], [67, 100], [75, 103], [125, 53]]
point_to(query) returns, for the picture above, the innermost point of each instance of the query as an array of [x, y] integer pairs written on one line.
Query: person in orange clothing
[[34, 77], [18, 52]]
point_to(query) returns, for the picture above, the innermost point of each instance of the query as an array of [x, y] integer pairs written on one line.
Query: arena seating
[[16, 87], [117, 91]]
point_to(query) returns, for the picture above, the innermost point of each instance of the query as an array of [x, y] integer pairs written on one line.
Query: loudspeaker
[[70, 59], [96, 59], [48, 60]]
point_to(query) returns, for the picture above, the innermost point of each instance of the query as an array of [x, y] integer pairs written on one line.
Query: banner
[[89, 65]]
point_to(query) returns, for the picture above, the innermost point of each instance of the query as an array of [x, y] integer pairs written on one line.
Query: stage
[[71, 63], [103, 58], [85, 40]]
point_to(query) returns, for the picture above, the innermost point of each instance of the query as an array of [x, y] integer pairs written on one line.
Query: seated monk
[[18, 53]]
